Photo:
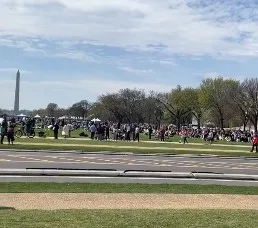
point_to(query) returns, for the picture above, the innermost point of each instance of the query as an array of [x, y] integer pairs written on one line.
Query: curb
[[127, 173]]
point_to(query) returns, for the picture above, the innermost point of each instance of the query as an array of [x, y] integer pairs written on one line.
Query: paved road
[[21, 160], [9, 159]]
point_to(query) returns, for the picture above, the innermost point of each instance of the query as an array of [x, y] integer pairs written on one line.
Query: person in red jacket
[[255, 143]]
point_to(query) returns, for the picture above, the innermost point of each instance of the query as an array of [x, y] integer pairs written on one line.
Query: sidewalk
[[56, 201]]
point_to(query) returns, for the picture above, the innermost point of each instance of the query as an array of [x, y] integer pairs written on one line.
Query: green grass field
[[123, 188], [129, 219], [146, 147]]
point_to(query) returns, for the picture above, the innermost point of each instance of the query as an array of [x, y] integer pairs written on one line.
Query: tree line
[[224, 102]]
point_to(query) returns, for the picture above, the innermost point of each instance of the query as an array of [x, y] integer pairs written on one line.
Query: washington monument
[[17, 93]]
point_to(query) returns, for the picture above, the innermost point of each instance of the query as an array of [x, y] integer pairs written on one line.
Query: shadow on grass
[[7, 208]]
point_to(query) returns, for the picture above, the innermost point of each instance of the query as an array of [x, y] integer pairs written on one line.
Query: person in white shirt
[[137, 133], [65, 131]]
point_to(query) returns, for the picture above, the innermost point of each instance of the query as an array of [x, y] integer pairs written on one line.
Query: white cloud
[[136, 71], [38, 94], [184, 27], [77, 56]]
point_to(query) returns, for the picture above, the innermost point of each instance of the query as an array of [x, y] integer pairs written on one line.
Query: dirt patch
[[56, 201]]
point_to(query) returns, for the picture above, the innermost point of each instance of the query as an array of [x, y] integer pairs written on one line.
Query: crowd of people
[[118, 131]]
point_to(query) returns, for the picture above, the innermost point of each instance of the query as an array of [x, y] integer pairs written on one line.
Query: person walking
[[255, 143]]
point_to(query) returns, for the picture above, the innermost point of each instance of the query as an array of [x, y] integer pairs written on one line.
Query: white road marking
[[5, 160]]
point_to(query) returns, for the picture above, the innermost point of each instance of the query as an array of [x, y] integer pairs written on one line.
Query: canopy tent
[[21, 115], [63, 117], [96, 120], [37, 116]]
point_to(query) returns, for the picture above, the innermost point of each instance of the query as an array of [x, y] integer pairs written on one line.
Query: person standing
[[137, 134], [133, 131], [115, 133], [210, 137], [162, 134], [255, 143], [4, 127], [69, 126], [150, 130], [56, 129], [28, 127], [107, 130], [93, 130], [128, 133], [65, 131], [184, 135], [10, 134]]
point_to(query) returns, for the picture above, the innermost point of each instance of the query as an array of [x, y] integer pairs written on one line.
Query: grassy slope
[[130, 219], [123, 188]]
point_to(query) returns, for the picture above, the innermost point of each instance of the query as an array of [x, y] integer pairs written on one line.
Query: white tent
[[37, 116], [21, 115], [96, 120], [63, 117]]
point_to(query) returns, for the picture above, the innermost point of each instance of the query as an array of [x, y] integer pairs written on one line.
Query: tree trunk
[[199, 123], [255, 123], [222, 123], [178, 123], [244, 125]]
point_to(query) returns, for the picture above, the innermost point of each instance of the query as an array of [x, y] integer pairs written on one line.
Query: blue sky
[[71, 50]]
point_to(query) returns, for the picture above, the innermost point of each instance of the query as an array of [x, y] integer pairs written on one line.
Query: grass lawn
[[129, 219], [195, 146], [175, 144], [146, 147], [123, 188]]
